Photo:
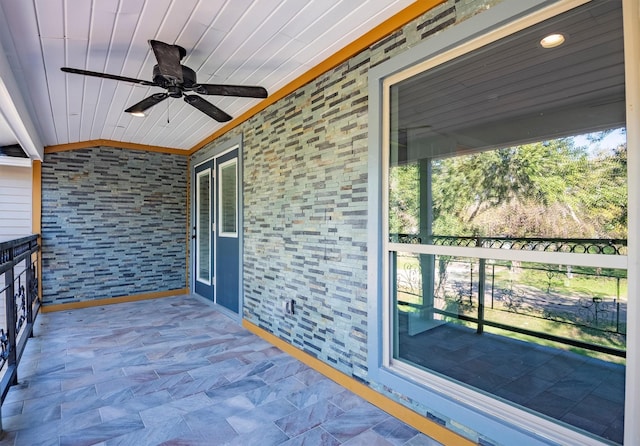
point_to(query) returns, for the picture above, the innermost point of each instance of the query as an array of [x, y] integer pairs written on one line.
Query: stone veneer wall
[[113, 223], [305, 205], [305, 202]]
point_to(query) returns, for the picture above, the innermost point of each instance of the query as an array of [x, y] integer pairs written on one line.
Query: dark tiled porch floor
[[175, 371], [584, 392]]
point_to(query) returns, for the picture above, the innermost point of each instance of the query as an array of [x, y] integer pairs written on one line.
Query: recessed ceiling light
[[138, 114], [552, 40]]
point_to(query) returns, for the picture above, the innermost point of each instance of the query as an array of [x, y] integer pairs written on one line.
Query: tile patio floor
[[175, 371], [583, 392]]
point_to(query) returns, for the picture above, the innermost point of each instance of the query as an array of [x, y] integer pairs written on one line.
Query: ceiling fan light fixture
[[552, 40], [138, 114]]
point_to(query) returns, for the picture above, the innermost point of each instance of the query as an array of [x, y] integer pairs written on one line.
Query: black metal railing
[[476, 291], [569, 245], [19, 304]]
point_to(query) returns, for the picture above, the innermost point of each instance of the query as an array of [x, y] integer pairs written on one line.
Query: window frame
[[463, 406], [221, 191]]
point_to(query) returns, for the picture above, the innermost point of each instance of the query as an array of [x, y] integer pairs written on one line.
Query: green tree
[[549, 189], [540, 172], [603, 193], [404, 187]]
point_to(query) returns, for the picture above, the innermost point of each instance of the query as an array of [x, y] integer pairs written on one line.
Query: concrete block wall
[[113, 223], [305, 202]]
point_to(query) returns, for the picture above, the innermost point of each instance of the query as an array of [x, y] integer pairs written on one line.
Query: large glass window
[[506, 220]]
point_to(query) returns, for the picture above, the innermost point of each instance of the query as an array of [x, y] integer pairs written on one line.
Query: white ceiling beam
[[14, 112]]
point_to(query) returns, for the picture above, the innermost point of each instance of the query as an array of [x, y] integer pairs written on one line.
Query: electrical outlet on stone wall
[[288, 306]]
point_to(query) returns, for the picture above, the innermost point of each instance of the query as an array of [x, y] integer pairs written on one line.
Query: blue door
[[227, 232], [204, 230]]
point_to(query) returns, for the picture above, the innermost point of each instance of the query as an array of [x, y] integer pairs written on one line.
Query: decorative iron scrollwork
[[21, 307], [4, 346], [33, 284], [575, 246], [411, 239]]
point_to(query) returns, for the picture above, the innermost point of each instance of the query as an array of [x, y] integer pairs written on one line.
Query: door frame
[[199, 284], [209, 153]]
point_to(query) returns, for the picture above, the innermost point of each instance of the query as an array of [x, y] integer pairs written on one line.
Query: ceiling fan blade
[[168, 57], [147, 102], [108, 76], [207, 108], [231, 90]]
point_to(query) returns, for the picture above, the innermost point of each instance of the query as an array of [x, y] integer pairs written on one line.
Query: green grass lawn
[[559, 282], [583, 280]]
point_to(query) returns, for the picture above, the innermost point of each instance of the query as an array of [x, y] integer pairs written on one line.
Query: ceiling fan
[[177, 80]]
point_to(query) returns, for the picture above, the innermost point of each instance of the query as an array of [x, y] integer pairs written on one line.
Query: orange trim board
[[36, 213], [36, 196], [111, 301], [414, 419], [387, 27], [111, 143], [188, 228]]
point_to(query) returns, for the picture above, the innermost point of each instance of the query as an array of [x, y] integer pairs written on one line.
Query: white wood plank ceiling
[[247, 42], [484, 99]]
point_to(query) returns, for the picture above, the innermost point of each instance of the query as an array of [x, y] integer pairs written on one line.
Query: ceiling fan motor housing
[[188, 79]]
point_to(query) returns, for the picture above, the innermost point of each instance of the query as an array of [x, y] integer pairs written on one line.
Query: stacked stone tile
[[113, 223], [305, 203]]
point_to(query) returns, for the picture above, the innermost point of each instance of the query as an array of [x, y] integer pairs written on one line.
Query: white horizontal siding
[[15, 202]]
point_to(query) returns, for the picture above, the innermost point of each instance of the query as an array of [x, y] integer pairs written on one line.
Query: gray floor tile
[[101, 432], [177, 372], [159, 415], [313, 437], [202, 418], [270, 435], [308, 418], [346, 400], [158, 435], [258, 417], [354, 422], [395, 432], [368, 438], [279, 389], [318, 391]]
